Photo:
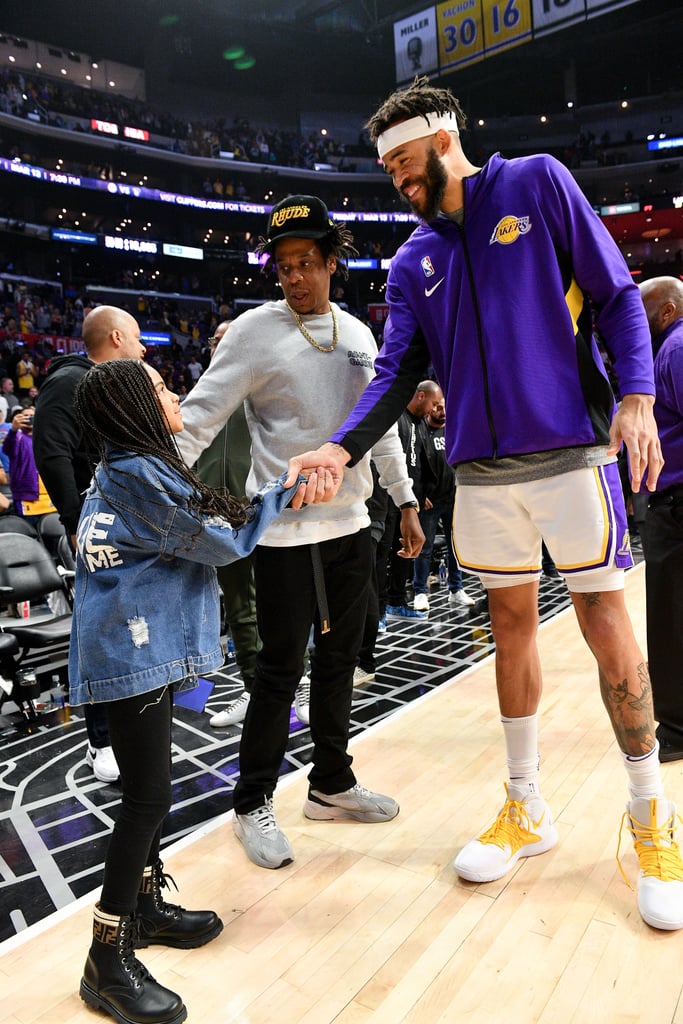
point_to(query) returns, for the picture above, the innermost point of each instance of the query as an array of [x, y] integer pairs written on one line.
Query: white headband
[[415, 128]]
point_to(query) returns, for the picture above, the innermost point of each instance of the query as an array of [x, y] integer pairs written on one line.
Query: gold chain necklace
[[309, 337]]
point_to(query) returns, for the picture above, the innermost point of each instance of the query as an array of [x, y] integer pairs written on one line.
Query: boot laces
[[658, 853], [129, 931], [160, 880], [513, 827]]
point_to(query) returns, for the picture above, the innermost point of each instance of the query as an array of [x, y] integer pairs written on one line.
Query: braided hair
[[419, 98], [116, 407], [338, 242]]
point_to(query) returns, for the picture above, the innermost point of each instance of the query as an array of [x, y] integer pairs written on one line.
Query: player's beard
[[434, 182]]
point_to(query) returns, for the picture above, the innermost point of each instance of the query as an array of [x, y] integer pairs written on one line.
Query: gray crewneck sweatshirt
[[294, 397]]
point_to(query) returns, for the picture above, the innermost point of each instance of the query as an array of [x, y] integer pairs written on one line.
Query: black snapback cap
[[298, 217]]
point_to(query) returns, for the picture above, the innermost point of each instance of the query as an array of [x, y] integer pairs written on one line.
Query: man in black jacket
[[66, 467], [413, 434], [437, 511]]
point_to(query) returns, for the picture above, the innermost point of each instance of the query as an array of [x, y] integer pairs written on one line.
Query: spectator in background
[[29, 495], [24, 371], [6, 502], [66, 463], [4, 427], [413, 434], [662, 530], [437, 512], [375, 619], [193, 372], [7, 397], [225, 465]]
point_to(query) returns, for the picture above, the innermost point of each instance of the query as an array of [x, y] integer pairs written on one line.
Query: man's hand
[[634, 424], [412, 537], [324, 470]]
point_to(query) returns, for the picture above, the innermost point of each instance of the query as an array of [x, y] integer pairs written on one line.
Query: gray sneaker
[[355, 804], [260, 835], [360, 676]]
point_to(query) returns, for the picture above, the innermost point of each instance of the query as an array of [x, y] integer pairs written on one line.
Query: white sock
[[644, 775], [521, 744]]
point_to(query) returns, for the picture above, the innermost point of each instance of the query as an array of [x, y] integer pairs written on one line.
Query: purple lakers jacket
[[501, 307]]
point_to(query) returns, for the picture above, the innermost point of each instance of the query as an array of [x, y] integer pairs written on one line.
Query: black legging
[[140, 732]]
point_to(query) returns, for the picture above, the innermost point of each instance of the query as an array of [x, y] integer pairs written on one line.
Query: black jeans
[[140, 732], [430, 520], [399, 570], [662, 534], [366, 652], [286, 606], [237, 583]]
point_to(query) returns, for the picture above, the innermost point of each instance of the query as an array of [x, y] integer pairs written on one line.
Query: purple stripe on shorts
[[618, 547]]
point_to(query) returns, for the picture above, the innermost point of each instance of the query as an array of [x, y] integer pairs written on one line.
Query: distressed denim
[[146, 609]]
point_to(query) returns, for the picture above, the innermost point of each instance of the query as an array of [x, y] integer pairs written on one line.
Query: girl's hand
[[320, 486]]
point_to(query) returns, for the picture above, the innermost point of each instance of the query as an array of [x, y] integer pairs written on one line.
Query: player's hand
[[324, 470], [635, 426]]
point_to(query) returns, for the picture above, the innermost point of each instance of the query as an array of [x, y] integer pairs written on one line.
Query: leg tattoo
[[630, 713]]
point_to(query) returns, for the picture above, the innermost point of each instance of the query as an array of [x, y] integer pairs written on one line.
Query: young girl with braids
[[146, 622]]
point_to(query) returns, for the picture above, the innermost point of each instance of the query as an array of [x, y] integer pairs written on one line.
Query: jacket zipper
[[480, 338]]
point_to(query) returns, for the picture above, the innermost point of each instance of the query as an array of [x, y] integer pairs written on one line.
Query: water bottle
[[443, 572], [28, 685]]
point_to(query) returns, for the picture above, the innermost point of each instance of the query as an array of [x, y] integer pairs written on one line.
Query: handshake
[[324, 471]]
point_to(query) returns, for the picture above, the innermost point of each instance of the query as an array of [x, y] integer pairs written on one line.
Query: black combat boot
[[115, 981], [165, 924]]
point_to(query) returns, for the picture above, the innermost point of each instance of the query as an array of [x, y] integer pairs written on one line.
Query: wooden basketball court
[[370, 922]]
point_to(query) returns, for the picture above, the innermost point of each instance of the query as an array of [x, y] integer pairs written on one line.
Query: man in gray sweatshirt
[[299, 365]]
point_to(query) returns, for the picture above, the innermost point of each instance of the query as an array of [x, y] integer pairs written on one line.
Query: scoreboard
[[452, 35]]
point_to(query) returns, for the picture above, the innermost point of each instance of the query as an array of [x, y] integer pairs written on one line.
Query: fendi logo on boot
[[105, 928]]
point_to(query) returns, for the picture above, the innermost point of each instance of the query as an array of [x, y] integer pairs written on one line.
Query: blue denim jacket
[[146, 610]]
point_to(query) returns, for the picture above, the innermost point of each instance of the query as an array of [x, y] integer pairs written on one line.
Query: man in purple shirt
[[663, 528]]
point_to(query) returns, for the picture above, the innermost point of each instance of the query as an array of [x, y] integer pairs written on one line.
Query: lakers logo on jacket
[[509, 228]]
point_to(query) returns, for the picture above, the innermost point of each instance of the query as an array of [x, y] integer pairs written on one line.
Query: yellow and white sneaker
[[522, 829], [660, 881]]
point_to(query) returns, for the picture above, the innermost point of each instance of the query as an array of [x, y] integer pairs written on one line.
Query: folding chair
[[28, 573]]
